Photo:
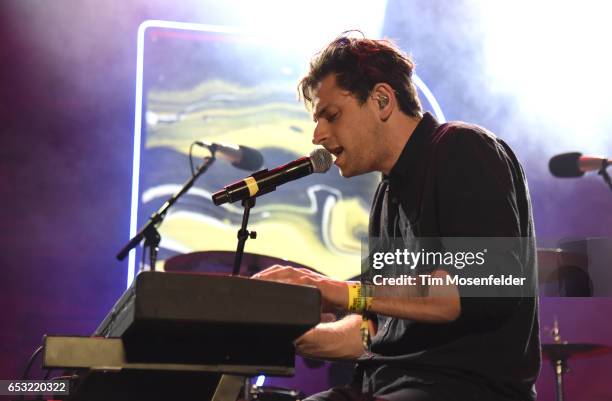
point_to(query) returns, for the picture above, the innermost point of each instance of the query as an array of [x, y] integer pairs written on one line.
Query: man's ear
[[384, 96], [383, 101]]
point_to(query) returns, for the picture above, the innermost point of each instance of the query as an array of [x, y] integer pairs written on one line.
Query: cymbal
[[223, 262], [577, 350]]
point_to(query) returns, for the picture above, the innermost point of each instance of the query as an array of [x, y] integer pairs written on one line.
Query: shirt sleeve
[[477, 208]]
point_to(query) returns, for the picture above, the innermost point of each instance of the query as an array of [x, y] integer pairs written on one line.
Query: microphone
[[239, 156], [264, 181], [574, 164]]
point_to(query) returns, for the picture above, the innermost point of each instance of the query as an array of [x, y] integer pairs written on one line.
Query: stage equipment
[[149, 231], [269, 393], [264, 181], [564, 273], [559, 352], [178, 335], [239, 156], [574, 164]]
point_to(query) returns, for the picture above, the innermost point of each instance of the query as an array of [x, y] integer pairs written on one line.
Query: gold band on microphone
[[251, 184]]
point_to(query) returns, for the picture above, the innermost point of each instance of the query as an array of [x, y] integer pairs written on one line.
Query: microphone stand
[[149, 231], [243, 234], [604, 173]]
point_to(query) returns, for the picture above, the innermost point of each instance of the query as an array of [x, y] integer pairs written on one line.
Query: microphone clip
[[243, 234]]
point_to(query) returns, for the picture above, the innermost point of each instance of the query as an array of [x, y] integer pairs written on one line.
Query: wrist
[[359, 299]]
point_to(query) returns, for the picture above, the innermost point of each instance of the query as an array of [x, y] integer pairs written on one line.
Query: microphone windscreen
[[250, 159], [565, 165], [321, 160]]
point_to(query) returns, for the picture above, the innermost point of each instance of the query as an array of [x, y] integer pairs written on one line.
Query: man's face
[[346, 128]]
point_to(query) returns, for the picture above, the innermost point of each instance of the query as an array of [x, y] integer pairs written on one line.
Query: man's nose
[[319, 135]]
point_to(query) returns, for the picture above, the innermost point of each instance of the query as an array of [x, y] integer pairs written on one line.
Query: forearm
[[425, 303], [336, 340], [432, 304]]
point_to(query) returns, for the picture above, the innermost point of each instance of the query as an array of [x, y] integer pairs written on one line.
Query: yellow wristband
[[364, 330], [367, 303], [357, 301], [354, 290]]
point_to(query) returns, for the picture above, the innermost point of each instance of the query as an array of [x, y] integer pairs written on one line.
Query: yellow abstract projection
[[318, 221]]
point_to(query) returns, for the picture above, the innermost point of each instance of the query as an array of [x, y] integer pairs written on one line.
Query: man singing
[[449, 180]]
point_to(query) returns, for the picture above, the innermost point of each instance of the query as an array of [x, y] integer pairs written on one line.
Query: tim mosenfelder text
[[428, 280], [458, 260]]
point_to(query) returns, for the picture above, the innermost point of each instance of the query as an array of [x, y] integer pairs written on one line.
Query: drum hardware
[[559, 352]]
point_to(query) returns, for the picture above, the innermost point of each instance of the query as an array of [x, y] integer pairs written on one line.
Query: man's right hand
[[339, 340]]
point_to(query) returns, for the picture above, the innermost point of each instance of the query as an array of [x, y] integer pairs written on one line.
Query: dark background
[[67, 79]]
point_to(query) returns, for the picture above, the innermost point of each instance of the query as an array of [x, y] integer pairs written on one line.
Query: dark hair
[[359, 64]]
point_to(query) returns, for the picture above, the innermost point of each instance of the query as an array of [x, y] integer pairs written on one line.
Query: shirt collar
[[412, 153]]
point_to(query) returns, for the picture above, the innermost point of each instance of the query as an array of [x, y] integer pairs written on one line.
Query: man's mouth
[[337, 151]]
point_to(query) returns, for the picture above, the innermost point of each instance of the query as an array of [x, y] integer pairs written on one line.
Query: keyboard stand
[[107, 355]]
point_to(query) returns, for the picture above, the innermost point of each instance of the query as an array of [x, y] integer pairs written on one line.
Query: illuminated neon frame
[[138, 111]]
